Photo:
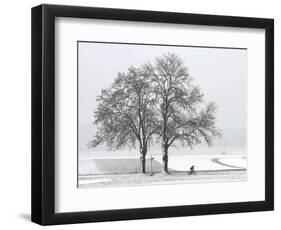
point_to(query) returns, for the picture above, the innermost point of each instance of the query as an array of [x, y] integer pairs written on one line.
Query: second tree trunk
[[165, 160]]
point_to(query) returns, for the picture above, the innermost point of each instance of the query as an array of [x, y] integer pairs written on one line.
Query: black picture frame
[[43, 114]]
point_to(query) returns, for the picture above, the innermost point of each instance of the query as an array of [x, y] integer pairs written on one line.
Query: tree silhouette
[[125, 114], [154, 100], [182, 116]]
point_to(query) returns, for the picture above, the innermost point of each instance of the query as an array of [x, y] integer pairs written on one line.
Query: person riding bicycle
[[192, 170]]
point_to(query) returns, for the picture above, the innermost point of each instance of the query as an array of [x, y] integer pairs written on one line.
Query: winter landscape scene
[[159, 114]]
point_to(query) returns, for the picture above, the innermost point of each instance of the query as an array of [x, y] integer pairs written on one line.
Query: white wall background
[[15, 114]]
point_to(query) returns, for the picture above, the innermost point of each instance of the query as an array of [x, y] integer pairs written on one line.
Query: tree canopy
[[125, 114], [155, 101]]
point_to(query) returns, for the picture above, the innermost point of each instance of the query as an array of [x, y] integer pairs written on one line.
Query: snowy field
[[123, 171], [125, 180], [119, 165]]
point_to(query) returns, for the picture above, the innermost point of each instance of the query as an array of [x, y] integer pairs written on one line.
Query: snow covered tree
[[125, 114], [183, 118]]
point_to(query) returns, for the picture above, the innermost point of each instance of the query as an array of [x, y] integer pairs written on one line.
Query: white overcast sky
[[220, 73]]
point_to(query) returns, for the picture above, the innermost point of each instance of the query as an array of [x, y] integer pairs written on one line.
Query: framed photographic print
[[142, 114]]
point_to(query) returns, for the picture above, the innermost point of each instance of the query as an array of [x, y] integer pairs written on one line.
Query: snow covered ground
[[174, 177], [119, 165], [124, 170]]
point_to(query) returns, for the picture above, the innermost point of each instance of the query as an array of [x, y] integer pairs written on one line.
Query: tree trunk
[[165, 159], [142, 164], [142, 159]]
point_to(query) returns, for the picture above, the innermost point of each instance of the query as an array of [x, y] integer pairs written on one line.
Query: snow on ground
[[119, 165], [174, 177], [238, 162], [202, 163]]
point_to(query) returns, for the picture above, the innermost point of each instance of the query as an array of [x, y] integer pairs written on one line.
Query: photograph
[[153, 114], [144, 113]]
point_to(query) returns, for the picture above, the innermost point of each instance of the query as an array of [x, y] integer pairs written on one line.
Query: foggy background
[[220, 73]]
